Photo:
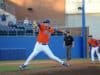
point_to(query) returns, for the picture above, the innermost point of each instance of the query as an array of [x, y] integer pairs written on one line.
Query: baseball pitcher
[[45, 31]]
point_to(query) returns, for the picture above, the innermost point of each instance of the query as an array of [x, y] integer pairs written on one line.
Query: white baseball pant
[[45, 48], [93, 50]]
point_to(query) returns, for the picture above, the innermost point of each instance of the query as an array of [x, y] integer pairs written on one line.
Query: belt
[[44, 43]]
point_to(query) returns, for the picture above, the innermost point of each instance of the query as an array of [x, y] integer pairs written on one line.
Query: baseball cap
[[46, 21]]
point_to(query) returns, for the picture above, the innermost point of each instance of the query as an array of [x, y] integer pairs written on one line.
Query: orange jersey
[[44, 33], [92, 42]]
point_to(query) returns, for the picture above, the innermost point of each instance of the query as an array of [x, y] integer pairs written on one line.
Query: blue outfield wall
[[19, 47]]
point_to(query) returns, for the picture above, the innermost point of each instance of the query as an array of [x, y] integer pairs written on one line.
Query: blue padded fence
[[12, 54], [19, 47]]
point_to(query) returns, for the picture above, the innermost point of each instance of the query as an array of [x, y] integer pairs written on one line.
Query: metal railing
[[21, 30]]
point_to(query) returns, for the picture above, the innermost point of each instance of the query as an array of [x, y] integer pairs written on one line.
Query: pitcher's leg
[[51, 55], [33, 54]]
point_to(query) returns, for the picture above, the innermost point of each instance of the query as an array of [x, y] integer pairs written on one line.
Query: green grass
[[8, 68], [15, 68]]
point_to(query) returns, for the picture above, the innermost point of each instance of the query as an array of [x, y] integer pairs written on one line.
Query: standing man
[[69, 43], [45, 31], [94, 47]]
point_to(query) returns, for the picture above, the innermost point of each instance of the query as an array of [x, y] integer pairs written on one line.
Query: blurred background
[[18, 29]]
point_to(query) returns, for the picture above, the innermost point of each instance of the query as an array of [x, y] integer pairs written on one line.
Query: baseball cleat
[[23, 67], [66, 64]]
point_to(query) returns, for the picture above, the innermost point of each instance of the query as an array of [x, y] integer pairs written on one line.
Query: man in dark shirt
[[68, 42]]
